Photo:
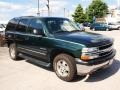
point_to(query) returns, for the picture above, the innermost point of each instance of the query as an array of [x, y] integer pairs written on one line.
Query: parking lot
[[23, 75]]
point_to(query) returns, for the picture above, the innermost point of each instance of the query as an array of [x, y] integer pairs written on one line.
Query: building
[[113, 16]]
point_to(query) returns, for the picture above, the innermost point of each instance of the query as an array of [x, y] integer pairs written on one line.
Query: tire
[[119, 28], [13, 51], [93, 29], [65, 67], [107, 29]]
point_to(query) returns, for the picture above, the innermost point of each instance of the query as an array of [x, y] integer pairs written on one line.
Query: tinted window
[[57, 25], [97, 24], [22, 25], [12, 24], [35, 24]]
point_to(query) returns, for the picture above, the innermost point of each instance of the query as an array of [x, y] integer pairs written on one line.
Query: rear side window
[[12, 24], [97, 24], [22, 26], [35, 24]]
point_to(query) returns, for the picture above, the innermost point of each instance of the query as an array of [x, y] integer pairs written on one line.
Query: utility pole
[[68, 14], [64, 12], [48, 6], [118, 3], [38, 13]]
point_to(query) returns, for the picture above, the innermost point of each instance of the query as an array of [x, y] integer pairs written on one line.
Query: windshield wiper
[[59, 31], [66, 31], [76, 31]]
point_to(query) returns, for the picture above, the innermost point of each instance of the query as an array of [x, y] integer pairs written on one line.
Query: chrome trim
[[83, 69], [107, 53], [103, 51], [106, 44], [27, 34], [106, 49], [33, 51]]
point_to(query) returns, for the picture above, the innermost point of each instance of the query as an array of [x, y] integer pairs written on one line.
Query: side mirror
[[38, 32]]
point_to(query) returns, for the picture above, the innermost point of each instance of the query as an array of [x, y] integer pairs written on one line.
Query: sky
[[15, 8]]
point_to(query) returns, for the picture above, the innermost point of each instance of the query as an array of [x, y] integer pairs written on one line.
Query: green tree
[[97, 8], [79, 15]]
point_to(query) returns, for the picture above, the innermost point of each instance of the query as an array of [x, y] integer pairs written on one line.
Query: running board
[[35, 61]]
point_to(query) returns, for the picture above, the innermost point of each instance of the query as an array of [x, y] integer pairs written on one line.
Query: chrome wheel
[[63, 68], [107, 29], [119, 28], [93, 29], [12, 51]]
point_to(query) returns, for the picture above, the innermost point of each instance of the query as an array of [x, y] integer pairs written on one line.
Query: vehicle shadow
[[95, 77], [38, 65], [101, 74], [104, 73]]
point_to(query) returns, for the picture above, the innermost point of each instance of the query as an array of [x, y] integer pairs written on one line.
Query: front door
[[37, 43]]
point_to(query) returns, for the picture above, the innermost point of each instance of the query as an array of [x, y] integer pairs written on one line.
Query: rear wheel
[[65, 67], [107, 29], [119, 28], [13, 51], [93, 29]]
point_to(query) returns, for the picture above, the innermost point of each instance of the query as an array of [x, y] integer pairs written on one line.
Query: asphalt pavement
[[24, 75]]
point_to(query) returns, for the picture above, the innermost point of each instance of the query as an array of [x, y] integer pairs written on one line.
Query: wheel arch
[[56, 52], [9, 42]]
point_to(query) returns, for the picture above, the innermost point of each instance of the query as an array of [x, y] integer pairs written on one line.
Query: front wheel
[[93, 29], [107, 29], [119, 28], [13, 51], [65, 67]]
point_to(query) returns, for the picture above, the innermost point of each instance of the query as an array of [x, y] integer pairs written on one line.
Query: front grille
[[102, 59], [105, 49], [106, 52], [105, 46]]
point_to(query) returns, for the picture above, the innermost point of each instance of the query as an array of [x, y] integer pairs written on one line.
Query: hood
[[86, 38]]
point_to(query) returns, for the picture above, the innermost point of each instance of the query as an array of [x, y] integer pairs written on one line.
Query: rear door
[[21, 35], [10, 29]]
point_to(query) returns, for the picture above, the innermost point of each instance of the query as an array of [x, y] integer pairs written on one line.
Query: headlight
[[86, 56], [89, 53], [94, 49]]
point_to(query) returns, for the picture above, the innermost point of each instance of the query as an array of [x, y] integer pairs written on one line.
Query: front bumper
[[112, 28], [84, 68]]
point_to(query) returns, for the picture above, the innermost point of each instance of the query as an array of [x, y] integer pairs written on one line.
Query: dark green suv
[[58, 43]]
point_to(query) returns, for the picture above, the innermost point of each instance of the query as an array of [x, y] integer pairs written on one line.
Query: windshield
[[55, 25]]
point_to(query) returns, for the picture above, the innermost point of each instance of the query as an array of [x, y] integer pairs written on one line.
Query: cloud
[[11, 6], [56, 6], [112, 6], [3, 18], [9, 10]]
